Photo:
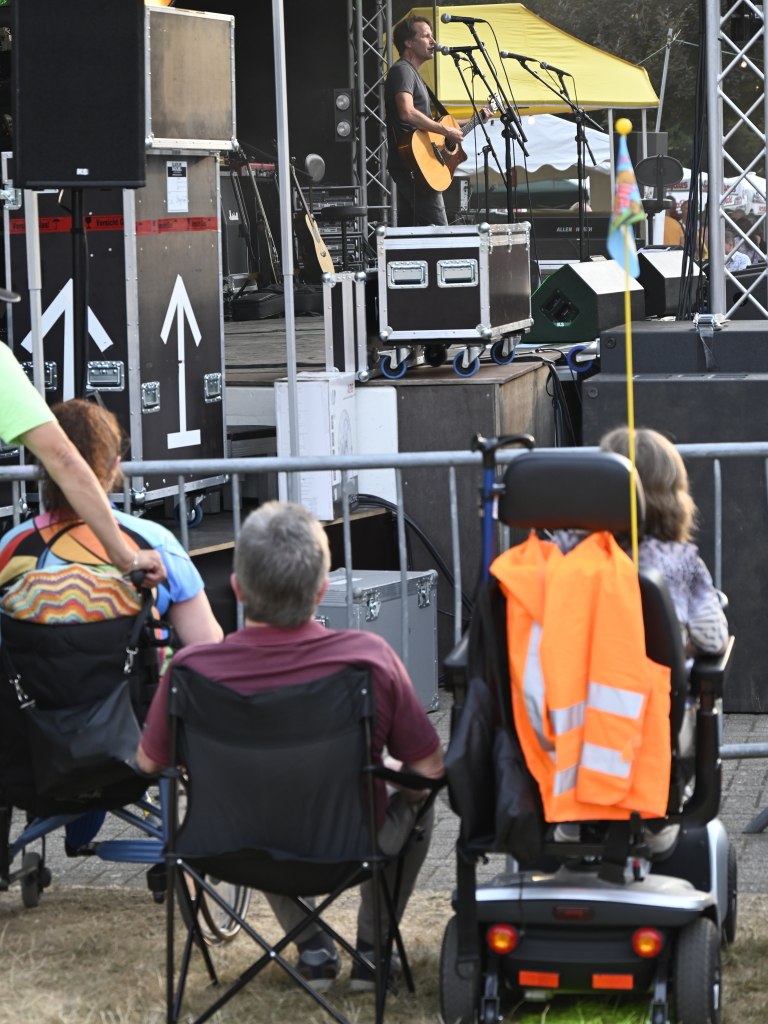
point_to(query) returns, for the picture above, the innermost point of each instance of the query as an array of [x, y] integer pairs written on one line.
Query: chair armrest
[[710, 672], [407, 780], [455, 668]]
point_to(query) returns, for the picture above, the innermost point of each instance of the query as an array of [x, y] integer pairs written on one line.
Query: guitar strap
[[441, 111]]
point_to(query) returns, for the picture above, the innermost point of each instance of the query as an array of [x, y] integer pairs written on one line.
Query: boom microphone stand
[[476, 70], [580, 116]]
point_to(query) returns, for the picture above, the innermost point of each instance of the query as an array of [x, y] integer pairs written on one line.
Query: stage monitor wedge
[[79, 94]]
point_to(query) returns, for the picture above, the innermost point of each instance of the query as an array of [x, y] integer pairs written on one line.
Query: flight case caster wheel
[[497, 353], [194, 516], [435, 355], [32, 880], [458, 996], [390, 371], [697, 977], [465, 371]]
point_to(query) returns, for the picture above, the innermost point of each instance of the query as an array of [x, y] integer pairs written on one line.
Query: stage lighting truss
[[735, 34], [370, 56]]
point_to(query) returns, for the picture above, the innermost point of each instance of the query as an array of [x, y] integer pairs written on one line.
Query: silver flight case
[[377, 609]]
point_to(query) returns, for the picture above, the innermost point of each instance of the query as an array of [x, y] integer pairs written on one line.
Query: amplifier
[[580, 300], [702, 408], [668, 346]]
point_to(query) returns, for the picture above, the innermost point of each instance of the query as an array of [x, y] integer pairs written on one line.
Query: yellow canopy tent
[[600, 79]]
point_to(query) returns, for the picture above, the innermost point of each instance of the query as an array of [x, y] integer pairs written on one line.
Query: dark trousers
[[414, 209]]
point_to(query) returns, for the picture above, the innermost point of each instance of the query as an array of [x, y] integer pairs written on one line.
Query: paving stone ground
[[745, 793]]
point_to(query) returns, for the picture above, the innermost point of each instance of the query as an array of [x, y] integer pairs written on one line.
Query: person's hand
[[453, 136], [150, 561], [486, 113]]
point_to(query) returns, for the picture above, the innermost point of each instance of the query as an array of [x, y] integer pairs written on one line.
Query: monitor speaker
[[660, 273], [580, 300], [78, 91], [740, 305]]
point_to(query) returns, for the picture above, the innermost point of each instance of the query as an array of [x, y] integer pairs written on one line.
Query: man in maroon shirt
[[281, 574]]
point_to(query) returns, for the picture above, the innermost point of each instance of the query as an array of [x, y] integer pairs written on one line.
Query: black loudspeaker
[[701, 408], [660, 273], [734, 296], [580, 300], [660, 346], [78, 93]]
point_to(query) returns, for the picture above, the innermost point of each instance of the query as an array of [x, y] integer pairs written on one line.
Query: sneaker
[[361, 978], [319, 968]]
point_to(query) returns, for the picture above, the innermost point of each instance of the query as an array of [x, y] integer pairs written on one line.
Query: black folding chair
[[281, 792]]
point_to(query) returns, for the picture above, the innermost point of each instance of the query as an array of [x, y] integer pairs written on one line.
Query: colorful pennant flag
[[627, 210]]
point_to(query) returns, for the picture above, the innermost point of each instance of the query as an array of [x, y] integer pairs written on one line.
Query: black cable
[[376, 501], [687, 305]]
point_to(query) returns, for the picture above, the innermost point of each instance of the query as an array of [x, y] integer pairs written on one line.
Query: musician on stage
[[408, 108]]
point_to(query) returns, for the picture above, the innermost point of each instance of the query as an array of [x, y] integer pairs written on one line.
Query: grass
[[96, 956]]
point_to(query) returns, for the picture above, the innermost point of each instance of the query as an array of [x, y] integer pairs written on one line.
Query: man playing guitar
[[408, 109]]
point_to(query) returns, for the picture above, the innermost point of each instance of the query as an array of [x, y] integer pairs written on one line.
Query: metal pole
[[351, 79], [718, 525], [235, 479], [382, 153], [716, 242], [612, 153], [403, 564], [455, 556], [16, 492], [362, 151], [347, 528], [183, 522], [664, 79], [35, 285], [286, 234], [644, 125], [79, 293], [434, 33], [127, 495], [392, 185]]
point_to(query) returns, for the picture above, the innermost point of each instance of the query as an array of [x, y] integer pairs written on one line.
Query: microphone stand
[[509, 117], [456, 58], [580, 116]]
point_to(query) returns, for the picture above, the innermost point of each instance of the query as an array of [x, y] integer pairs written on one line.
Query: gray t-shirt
[[402, 77]]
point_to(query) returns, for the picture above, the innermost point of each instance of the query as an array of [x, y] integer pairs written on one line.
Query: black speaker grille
[[78, 84]]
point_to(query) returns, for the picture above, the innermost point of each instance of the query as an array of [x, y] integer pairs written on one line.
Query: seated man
[[281, 567]]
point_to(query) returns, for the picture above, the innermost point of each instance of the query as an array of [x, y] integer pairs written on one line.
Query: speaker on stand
[[78, 114]]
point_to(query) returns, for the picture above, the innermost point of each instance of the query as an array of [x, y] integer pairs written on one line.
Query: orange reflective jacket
[[591, 709]]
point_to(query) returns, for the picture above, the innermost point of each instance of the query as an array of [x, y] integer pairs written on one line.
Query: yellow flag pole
[[630, 399]]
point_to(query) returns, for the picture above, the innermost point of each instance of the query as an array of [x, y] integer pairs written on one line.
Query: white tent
[[551, 145]]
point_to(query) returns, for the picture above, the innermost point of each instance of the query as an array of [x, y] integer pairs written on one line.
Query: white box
[[327, 426], [377, 435]]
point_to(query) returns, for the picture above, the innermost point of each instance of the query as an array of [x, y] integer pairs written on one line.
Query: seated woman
[[54, 571]]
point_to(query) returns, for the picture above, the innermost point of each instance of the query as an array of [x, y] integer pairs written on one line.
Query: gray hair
[[281, 560]]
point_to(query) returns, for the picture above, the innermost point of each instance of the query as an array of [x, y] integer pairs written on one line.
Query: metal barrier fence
[[450, 460]]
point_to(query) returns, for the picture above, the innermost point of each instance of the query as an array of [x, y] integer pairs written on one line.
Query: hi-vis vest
[[591, 709]]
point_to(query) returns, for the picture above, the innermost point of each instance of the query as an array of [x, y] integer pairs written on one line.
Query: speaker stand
[[79, 292]]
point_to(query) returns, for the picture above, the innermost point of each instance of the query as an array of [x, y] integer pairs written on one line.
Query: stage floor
[[254, 351]]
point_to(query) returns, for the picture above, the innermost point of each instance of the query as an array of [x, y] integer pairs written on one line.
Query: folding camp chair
[[281, 790]]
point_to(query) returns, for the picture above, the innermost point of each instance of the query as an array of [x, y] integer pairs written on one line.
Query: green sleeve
[[21, 406]]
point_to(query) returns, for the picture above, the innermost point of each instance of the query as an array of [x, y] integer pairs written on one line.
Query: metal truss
[[727, 63], [370, 56]]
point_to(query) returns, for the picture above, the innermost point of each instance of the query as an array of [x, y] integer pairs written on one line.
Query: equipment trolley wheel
[[33, 880], [217, 925], [465, 371], [194, 515], [435, 355], [393, 372], [729, 922], [697, 974], [497, 353], [458, 996]]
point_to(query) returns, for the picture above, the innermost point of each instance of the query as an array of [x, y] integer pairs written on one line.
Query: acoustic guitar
[[426, 154], [317, 259]]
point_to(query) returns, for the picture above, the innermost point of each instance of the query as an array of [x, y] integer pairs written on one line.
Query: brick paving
[[745, 792]]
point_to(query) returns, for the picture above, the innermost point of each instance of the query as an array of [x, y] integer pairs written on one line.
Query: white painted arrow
[[181, 306], [62, 305]]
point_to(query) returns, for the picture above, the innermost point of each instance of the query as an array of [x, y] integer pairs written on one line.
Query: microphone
[[508, 55], [549, 67], [448, 50], [445, 18]]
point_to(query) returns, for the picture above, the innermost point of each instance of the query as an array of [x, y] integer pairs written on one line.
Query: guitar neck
[[472, 124]]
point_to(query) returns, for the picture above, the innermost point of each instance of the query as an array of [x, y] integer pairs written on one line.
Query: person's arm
[[431, 767], [71, 472], [408, 114], [147, 765], [194, 621]]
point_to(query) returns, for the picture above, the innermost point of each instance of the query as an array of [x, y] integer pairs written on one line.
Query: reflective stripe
[[626, 703], [533, 688], [605, 760], [565, 719], [565, 780]]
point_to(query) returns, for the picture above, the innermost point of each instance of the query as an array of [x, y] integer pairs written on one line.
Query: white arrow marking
[[181, 306], [63, 305]]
